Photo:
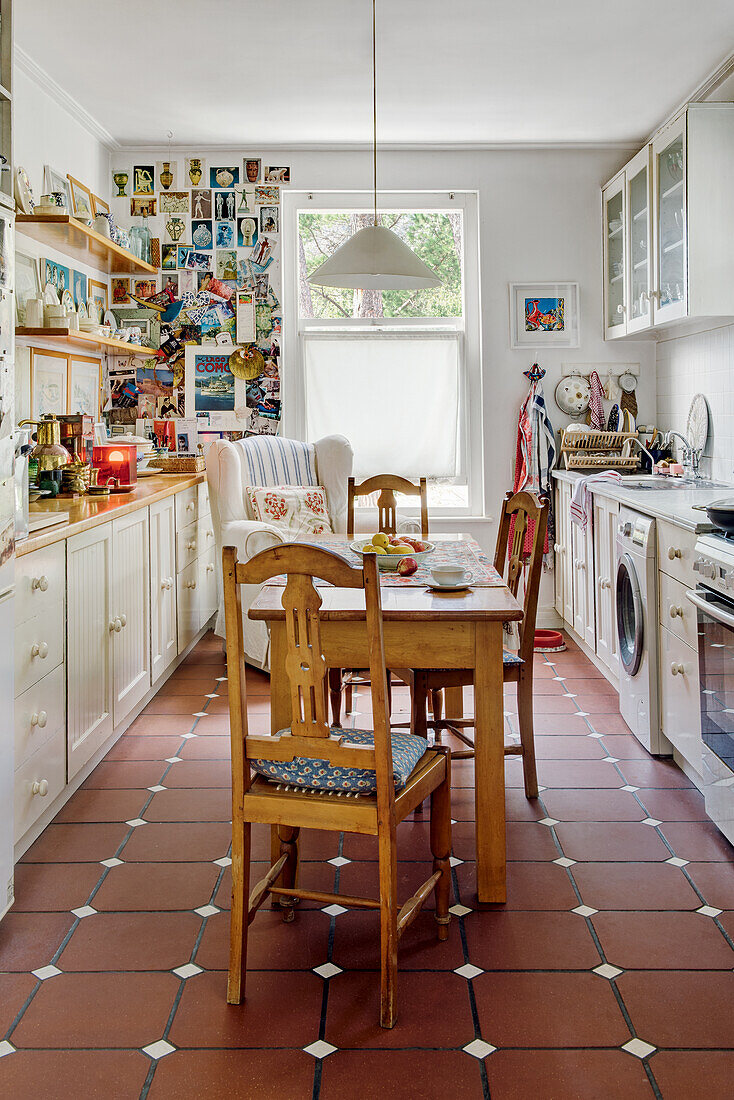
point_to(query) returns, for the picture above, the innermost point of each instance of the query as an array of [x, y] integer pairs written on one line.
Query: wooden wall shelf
[[79, 242], [82, 339]]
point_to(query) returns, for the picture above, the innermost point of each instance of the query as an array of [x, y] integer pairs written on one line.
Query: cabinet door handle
[[191, 584], [674, 552], [190, 545], [190, 506], [123, 620], [40, 584], [677, 669], [166, 583], [210, 568], [115, 625], [39, 649], [621, 309], [39, 719], [675, 611], [605, 582], [210, 534], [40, 786]]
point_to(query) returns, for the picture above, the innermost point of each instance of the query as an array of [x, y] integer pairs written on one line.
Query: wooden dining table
[[423, 629]]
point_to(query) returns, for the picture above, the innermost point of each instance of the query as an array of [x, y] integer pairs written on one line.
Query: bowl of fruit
[[395, 553]]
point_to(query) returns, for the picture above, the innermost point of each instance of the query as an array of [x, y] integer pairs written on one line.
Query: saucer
[[436, 587]]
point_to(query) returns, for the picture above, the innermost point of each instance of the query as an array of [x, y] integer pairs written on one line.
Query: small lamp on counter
[[117, 466]]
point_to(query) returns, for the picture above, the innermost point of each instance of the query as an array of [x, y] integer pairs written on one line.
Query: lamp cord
[[374, 109]]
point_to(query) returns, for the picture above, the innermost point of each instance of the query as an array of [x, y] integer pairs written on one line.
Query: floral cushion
[[510, 658], [407, 749], [294, 510]]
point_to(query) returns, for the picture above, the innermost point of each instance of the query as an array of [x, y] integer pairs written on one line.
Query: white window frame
[[468, 326]]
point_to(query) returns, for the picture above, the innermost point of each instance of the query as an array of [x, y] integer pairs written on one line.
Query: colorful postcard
[[58, 275], [267, 196], [145, 288], [166, 173], [120, 291], [143, 179], [198, 261], [79, 288], [225, 234], [276, 175], [247, 232], [99, 293], [201, 235], [201, 203], [182, 255], [210, 384], [225, 205], [245, 319], [143, 207], [176, 229], [252, 168], [224, 176], [269, 219], [168, 257], [169, 283], [227, 264]]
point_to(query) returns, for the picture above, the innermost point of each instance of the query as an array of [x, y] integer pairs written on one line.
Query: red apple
[[407, 566], [419, 547], [395, 539]]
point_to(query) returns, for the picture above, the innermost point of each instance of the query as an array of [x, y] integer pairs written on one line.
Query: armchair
[[267, 460]]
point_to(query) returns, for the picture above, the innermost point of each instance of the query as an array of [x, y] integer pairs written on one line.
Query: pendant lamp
[[375, 258]]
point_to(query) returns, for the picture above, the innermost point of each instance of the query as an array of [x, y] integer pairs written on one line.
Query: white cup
[[450, 575]]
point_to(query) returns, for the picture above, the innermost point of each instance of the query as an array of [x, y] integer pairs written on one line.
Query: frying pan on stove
[[721, 514]]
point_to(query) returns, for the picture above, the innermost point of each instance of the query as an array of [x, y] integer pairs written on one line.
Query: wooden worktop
[[85, 512]]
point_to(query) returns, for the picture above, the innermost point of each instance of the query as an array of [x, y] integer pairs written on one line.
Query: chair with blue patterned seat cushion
[[313, 775], [524, 520]]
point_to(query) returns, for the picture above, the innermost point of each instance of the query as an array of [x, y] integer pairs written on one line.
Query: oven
[[715, 611]]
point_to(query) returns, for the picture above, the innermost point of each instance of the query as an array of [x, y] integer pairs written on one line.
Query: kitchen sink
[[656, 484]]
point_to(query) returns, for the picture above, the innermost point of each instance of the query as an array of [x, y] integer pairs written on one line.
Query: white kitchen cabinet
[[677, 208], [90, 624], [163, 629], [680, 707], [130, 609], [187, 596], [606, 514], [207, 587], [564, 553], [582, 545]]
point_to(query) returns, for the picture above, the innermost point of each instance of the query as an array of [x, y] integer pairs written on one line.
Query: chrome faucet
[[691, 455], [643, 448]]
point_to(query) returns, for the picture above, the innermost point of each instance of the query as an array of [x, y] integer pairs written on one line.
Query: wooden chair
[[290, 793], [387, 485], [526, 509]]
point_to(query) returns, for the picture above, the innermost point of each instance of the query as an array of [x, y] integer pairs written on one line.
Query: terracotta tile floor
[[609, 974]]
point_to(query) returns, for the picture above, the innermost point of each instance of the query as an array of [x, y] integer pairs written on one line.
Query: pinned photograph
[[267, 196], [262, 285], [145, 288], [187, 283], [209, 382], [120, 291], [183, 251], [170, 285], [79, 288], [143, 208], [269, 219], [224, 205], [166, 172], [201, 203], [194, 170], [262, 252], [201, 235], [277, 175], [197, 261], [168, 257], [245, 319], [175, 202], [225, 234], [227, 264], [245, 276], [263, 320], [225, 176], [143, 179], [247, 232], [252, 167], [57, 275]]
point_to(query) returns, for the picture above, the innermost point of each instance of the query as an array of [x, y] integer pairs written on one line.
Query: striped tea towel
[[581, 497]]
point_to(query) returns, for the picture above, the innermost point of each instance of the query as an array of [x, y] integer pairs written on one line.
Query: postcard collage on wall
[[215, 306]]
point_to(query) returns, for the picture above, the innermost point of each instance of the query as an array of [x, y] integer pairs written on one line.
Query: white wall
[[540, 220], [700, 363]]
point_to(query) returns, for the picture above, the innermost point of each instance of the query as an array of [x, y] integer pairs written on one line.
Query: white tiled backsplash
[[700, 363]]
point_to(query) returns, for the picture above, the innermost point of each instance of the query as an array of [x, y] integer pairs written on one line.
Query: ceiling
[[284, 72]]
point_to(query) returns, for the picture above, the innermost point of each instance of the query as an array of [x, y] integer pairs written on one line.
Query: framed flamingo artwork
[[544, 315]]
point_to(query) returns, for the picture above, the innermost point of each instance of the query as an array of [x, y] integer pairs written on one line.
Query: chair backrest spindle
[[521, 512]]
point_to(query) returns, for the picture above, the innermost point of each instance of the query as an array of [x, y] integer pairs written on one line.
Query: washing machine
[[637, 616]]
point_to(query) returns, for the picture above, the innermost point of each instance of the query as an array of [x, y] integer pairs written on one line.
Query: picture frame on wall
[[49, 383], [81, 198], [99, 206], [211, 390], [54, 181], [544, 315], [27, 283], [100, 294], [85, 386]]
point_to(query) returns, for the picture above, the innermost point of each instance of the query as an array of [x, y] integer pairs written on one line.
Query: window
[[397, 371]]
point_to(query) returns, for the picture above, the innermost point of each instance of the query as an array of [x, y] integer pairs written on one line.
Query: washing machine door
[[630, 622]]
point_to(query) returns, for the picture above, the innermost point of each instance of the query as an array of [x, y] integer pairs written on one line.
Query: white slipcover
[[267, 460]]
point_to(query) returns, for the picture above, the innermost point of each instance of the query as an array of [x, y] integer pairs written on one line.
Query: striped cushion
[[312, 774], [270, 460]]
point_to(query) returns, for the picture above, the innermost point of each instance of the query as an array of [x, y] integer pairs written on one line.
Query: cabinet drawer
[[205, 534], [675, 552], [676, 612], [187, 546], [207, 587], [39, 647], [187, 506], [680, 702], [38, 782], [40, 579], [203, 499], [39, 713], [187, 593]]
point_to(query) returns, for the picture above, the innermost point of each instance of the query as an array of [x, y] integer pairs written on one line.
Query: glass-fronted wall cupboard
[[668, 218]]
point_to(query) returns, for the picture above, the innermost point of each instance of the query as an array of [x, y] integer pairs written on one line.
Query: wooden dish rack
[[597, 451]]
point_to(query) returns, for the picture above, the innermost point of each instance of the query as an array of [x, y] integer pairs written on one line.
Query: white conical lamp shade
[[375, 259]]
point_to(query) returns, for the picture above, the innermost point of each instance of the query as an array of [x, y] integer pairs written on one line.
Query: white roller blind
[[394, 396]]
